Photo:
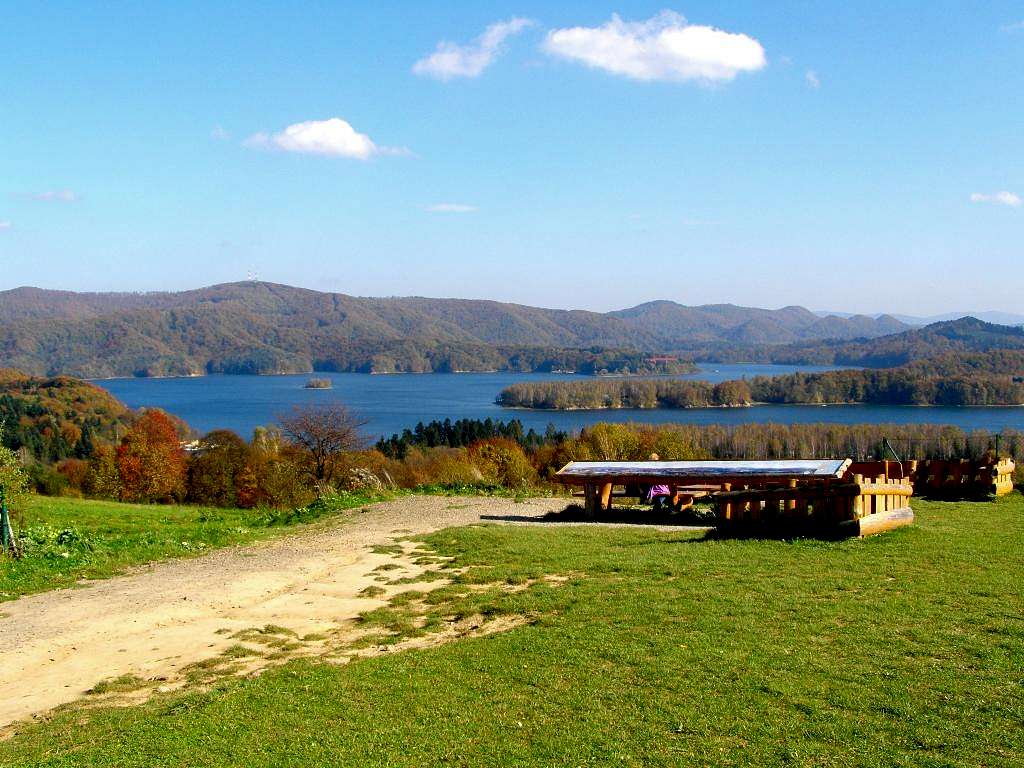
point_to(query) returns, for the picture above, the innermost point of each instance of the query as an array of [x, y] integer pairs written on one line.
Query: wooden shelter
[[816, 495]]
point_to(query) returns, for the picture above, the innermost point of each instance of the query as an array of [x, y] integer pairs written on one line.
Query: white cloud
[[451, 60], [665, 47], [220, 133], [998, 198], [812, 79], [451, 208], [1017, 26], [334, 137], [5, 225], [56, 195]]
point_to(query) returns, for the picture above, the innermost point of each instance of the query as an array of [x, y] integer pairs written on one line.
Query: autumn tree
[[150, 461], [103, 478], [13, 479], [324, 434], [216, 467], [735, 392], [502, 461]]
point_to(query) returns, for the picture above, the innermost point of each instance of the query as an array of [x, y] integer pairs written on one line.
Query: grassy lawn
[[905, 649], [72, 539]]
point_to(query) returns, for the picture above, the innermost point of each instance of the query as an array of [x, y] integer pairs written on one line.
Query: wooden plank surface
[[655, 472]]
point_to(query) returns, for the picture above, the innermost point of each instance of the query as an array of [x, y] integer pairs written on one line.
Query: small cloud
[[333, 137], [220, 133], [812, 79], [5, 225], [998, 198], [451, 208], [663, 48], [56, 196], [1017, 26], [451, 60]]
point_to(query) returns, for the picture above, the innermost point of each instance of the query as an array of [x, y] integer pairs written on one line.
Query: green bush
[[503, 462], [13, 479], [46, 480], [46, 542]]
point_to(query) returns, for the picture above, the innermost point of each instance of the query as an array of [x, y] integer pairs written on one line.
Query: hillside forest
[[950, 379]]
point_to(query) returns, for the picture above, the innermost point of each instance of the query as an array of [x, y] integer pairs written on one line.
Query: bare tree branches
[[325, 433]]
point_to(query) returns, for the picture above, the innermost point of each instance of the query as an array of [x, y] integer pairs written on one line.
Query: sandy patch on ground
[[159, 621]]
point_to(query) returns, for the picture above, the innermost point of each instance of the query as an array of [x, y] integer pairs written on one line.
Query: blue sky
[[849, 156]]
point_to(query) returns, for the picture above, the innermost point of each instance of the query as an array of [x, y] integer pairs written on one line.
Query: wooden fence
[[856, 508], [964, 477], [942, 477]]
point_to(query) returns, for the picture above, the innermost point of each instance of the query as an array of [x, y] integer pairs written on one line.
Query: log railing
[[1002, 474], [943, 477], [856, 507], [886, 470], [965, 477]]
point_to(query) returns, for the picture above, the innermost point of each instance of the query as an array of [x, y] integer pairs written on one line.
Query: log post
[[590, 499]]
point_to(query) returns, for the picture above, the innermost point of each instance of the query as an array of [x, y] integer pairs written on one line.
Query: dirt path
[[158, 619]]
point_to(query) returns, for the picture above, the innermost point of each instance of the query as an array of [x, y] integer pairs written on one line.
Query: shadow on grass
[[641, 516], [688, 520]]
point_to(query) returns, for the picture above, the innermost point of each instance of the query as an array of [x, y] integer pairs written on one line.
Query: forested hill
[[255, 327], [966, 335], [953, 378], [58, 417]]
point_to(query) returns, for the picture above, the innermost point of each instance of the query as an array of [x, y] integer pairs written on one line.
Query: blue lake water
[[392, 403]]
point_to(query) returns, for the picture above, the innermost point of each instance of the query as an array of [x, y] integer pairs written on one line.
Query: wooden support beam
[[878, 523], [590, 499]]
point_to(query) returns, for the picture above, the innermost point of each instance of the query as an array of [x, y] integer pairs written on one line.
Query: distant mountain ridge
[[997, 318], [270, 328], [965, 335]]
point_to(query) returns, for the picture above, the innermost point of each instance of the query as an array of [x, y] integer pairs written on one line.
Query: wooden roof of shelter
[[654, 472]]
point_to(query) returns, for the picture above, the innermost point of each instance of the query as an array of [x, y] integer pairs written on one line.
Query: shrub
[[102, 478], [46, 480], [215, 468], [273, 479], [502, 461], [75, 472], [455, 470], [12, 474]]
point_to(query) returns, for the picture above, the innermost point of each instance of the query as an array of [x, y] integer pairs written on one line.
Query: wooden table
[[598, 477]]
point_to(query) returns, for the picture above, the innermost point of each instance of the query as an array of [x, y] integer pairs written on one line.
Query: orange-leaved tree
[[150, 460]]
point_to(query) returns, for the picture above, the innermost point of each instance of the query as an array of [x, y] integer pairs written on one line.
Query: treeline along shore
[[952, 379], [69, 437]]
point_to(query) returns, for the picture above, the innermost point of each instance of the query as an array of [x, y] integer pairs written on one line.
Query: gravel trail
[[159, 618]]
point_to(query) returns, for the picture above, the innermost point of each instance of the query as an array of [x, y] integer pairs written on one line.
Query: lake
[[391, 403]]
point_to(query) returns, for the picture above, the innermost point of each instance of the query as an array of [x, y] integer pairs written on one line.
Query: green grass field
[[72, 539], [906, 649]]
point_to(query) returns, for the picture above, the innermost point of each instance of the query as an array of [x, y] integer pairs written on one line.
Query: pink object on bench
[[658, 490]]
